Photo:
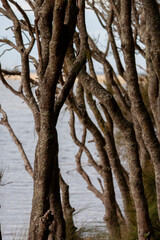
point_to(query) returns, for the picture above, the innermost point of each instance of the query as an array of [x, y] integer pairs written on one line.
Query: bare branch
[[115, 8], [100, 182], [38, 43], [6, 50], [17, 93], [31, 4], [81, 171], [82, 145], [8, 42], [4, 13], [113, 43], [77, 66], [27, 22], [98, 13], [4, 121], [17, 27]]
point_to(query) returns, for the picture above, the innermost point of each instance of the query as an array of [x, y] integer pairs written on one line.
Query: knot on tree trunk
[[47, 219]]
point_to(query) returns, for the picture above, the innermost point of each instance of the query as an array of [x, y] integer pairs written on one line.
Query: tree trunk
[[137, 106], [67, 210], [153, 24], [46, 182], [109, 200], [137, 187], [153, 85], [114, 162]]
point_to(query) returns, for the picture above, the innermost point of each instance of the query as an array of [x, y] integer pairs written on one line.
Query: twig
[[38, 43], [81, 145], [78, 156], [31, 4], [4, 184], [17, 93], [100, 182]]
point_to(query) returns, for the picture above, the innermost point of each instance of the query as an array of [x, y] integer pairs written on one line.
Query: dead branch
[[4, 121]]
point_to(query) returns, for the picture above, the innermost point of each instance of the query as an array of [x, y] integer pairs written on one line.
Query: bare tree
[[132, 107], [53, 31]]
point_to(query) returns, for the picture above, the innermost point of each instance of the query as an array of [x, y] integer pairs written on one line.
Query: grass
[[150, 191], [1, 175], [92, 233], [84, 233]]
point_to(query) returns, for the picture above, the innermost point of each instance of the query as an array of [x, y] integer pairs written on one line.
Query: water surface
[[16, 197]]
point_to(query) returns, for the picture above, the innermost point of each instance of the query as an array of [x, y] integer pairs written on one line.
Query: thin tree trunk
[[114, 162], [56, 206], [153, 84], [153, 24], [137, 105], [136, 182], [109, 200], [67, 210]]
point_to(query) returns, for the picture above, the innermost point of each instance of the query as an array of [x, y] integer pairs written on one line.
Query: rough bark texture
[[153, 22], [137, 105], [53, 49], [134, 163], [110, 218]]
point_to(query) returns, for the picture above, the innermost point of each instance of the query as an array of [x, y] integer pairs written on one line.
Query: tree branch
[[81, 145], [80, 170], [4, 121]]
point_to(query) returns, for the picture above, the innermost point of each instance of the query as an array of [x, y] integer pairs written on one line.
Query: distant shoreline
[[101, 78]]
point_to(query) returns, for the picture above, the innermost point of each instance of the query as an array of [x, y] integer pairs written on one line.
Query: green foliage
[[71, 231], [21, 235], [92, 233], [150, 191]]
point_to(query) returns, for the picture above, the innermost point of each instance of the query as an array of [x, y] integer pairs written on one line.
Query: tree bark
[[109, 200], [114, 160], [56, 21], [137, 106], [152, 16], [46, 181], [136, 182]]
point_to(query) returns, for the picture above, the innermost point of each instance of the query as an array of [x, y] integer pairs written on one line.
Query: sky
[[10, 59]]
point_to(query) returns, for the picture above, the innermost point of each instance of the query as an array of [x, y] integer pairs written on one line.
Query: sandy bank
[[101, 78]]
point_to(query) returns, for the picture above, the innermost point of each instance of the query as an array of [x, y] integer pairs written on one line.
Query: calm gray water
[[16, 197]]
